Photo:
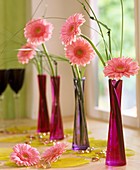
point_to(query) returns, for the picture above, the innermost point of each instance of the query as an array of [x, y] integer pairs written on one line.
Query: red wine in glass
[[16, 79], [4, 74]]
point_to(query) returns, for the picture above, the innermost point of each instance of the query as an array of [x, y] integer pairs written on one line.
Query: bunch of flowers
[[37, 32], [78, 51], [79, 48], [25, 155]]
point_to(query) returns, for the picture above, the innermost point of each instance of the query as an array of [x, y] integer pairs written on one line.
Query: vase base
[[77, 147], [56, 138], [115, 163], [43, 131]]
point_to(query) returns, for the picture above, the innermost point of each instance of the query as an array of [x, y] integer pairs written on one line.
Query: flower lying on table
[[52, 154], [25, 155]]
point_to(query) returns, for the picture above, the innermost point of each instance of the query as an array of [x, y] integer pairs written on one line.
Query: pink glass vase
[[80, 133], [115, 146], [56, 124], [43, 116]]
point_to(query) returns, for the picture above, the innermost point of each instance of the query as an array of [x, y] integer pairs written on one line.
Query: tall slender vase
[[56, 124], [80, 133], [115, 147], [43, 116]]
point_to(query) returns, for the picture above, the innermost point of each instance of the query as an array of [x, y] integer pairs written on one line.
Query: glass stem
[[1, 113], [17, 112]]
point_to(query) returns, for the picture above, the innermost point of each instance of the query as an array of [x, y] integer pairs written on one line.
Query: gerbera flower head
[[37, 31], [79, 52], [116, 68], [26, 52], [71, 28], [53, 153], [25, 155]]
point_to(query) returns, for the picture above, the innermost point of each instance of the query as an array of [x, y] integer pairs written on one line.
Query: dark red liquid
[[3, 80], [16, 78]]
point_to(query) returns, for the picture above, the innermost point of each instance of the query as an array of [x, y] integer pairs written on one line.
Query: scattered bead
[[95, 159], [43, 164]]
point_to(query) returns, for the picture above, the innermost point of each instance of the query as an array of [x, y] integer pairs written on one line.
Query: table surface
[[99, 131]]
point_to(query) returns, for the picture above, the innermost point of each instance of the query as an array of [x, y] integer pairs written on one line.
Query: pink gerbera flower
[[25, 155], [71, 28], [26, 53], [37, 31], [53, 153], [79, 52], [118, 67]]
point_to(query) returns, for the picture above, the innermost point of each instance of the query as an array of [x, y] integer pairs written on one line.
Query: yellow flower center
[[25, 155], [120, 68], [71, 29], [38, 30], [79, 53]]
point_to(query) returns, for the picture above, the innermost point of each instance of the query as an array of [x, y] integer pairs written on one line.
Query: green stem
[[99, 28], [38, 66], [59, 58], [122, 29], [78, 73], [50, 63], [41, 64], [104, 25], [79, 83], [73, 71], [97, 52], [56, 71]]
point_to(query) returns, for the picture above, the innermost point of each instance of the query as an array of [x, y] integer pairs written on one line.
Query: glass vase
[[115, 155], [56, 124], [43, 116], [80, 133]]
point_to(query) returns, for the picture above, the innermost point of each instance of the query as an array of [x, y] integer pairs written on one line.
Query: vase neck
[[115, 91], [79, 88], [42, 83], [55, 87]]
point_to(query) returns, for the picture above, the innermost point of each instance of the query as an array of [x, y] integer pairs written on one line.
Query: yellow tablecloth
[[21, 133]]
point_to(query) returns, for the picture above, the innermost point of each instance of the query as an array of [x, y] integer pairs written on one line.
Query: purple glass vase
[[80, 133], [115, 146], [56, 124], [43, 116]]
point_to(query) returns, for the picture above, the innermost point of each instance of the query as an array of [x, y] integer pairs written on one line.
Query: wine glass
[[3, 81], [16, 79], [3, 84]]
